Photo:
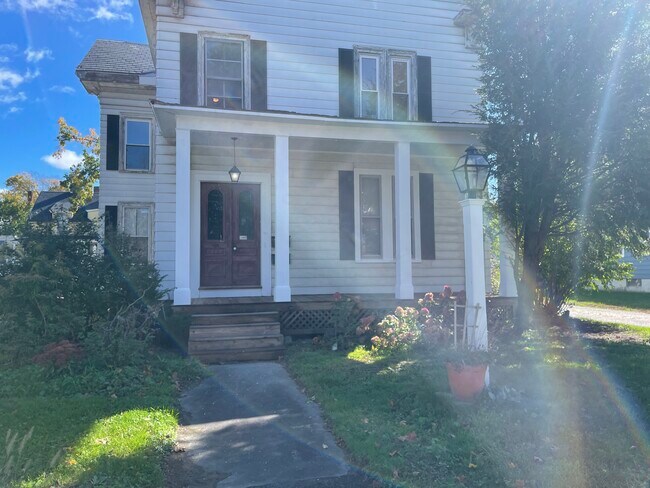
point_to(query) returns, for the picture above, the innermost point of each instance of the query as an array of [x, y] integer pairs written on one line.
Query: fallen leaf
[[365, 420], [538, 459], [325, 446], [102, 441], [72, 461], [512, 465], [472, 466], [410, 437]]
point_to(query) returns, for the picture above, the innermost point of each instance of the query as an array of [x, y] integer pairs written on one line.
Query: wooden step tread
[[230, 355], [232, 314], [235, 338], [243, 324]]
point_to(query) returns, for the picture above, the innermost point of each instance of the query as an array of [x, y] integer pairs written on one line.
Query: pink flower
[[337, 296], [424, 311], [428, 297], [446, 291]]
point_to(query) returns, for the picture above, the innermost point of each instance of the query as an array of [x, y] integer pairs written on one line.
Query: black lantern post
[[471, 173], [234, 172]]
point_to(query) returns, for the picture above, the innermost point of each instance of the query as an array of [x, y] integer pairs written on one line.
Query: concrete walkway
[[616, 315], [249, 425]]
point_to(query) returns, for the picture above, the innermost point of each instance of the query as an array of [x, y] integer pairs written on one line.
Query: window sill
[[385, 261]]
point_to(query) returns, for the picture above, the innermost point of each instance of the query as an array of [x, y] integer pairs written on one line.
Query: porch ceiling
[[171, 117]]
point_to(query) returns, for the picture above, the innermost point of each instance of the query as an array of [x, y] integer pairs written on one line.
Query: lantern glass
[[471, 173], [234, 174]]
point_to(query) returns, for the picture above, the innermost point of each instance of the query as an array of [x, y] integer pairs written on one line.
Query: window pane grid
[[137, 152], [369, 87], [371, 216], [224, 74]]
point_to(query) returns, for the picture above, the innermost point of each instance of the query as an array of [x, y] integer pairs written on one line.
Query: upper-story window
[[137, 145], [226, 79], [386, 84]]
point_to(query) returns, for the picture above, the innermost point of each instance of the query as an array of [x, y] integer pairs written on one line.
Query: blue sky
[[41, 43]]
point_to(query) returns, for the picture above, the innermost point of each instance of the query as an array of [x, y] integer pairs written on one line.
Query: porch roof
[[172, 117]]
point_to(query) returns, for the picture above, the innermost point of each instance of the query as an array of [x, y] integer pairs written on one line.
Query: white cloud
[[30, 75], [113, 10], [9, 79], [65, 161], [38, 5], [36, 55], [14, 110], [62, 89], [13, 97]]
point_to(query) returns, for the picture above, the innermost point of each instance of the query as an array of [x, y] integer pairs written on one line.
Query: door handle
[[234, 248]]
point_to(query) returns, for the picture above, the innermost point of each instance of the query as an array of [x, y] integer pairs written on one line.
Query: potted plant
[[466, 368]]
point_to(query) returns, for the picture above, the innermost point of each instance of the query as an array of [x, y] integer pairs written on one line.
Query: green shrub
[[56, 286]]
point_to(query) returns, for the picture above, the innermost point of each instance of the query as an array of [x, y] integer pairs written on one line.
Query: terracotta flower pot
[[466, 382]]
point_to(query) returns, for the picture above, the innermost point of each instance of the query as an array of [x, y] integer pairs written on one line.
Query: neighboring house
[[52, 205], [349, 117], [640, 280]]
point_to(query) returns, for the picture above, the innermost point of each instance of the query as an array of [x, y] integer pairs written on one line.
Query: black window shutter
[[346, 83], [427, 220], [424, 89], [189, 69], [346, 215], [259, 93], [112, 142]]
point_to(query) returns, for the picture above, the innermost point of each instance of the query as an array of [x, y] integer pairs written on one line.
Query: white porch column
[[404, 266], [282, 288], [507, 282], [475, 271], [182, 293]]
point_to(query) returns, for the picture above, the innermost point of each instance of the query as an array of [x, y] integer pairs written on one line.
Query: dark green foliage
[[56, 286], [565, 95]]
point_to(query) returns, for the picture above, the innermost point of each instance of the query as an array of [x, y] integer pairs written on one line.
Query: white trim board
[[264, 180]]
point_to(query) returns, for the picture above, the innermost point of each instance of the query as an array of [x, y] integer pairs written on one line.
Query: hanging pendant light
[[234, 172]]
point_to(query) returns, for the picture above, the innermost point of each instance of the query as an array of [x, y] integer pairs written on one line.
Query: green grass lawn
[[609, 299], [567, 412], [88, 427]]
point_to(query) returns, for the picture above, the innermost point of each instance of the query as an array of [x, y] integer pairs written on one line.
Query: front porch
[[309, 244]]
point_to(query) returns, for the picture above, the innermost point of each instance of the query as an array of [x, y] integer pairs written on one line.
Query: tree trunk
[[529, 281]]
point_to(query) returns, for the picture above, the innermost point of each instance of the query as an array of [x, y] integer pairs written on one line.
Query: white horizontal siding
[[119, 186], [303, 38]]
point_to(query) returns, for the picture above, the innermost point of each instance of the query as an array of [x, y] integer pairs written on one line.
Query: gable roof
[[42, 209], [117, 61]]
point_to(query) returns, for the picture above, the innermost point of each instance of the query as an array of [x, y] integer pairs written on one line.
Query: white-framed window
[[386, 84], [225, 71], [401, 89], [374, 209], [137, 144], [136, 222], [369, 86]]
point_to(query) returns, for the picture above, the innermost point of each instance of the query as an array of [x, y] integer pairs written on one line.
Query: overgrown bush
[[398, 332], [430, 321], [56, 285]]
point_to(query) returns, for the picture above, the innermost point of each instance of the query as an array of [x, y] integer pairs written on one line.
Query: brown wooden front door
[[230, 235]]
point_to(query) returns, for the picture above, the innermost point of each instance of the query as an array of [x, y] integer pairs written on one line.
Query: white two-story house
[[343, 118]]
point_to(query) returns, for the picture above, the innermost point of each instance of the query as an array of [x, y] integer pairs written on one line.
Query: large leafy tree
[[566, 95], [81, 177], [15, 202]]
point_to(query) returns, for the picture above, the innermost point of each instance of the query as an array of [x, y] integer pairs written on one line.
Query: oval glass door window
[[215, 216], [246, 216]]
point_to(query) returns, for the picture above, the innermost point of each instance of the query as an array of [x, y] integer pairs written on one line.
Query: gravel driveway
[[616, 315]]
